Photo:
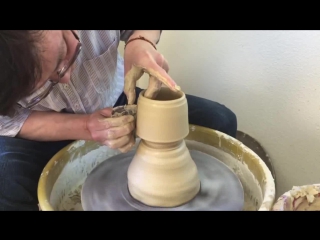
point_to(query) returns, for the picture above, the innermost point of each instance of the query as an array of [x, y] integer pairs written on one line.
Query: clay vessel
[[162, 172]]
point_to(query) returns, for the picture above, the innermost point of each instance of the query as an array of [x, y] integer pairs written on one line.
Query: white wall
[[270, 79]]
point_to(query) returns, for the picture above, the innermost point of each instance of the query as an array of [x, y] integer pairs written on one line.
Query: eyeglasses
[[61, 72]]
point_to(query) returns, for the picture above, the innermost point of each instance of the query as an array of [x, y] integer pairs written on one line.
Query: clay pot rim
[[165, 102]]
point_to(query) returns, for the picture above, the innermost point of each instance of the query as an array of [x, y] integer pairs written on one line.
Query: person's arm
[[44, 126], [100, 126], [53, 126]]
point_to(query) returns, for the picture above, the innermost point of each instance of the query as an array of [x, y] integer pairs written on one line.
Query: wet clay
[[299, 198], [162, 172], [163, 175], [66, 192], [306, 198], [106, 187], [306, 206]]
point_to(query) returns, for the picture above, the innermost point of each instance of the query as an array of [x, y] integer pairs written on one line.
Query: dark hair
[[20, 66]]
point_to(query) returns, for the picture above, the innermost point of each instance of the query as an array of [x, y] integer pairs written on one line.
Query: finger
[[116, 121], [154, 84], [158, 72], [131, 78], [165, 65], [117, 132], [162, 62], [153, 88], [106, 112], [128, 146], [119, 142]]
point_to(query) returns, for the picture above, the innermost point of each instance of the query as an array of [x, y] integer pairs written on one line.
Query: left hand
[[139, 57]]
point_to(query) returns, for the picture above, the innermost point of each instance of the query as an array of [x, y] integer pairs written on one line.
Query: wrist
[[151, 35], [84, 123], [142, 39]]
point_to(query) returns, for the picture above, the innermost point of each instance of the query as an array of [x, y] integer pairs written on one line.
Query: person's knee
[[210, 114], [21, 164], [18, 190], [16, 196], [229, 123]]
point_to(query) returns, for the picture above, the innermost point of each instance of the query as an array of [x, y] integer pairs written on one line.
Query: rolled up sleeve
[[11, 126], [125, 34]]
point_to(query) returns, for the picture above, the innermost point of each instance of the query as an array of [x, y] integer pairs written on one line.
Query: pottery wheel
[[105, 188]]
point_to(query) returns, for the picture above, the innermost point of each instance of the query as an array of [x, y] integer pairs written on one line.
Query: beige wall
[[270, 79]]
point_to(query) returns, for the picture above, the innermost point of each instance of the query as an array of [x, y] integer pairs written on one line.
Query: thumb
[[106, 112]]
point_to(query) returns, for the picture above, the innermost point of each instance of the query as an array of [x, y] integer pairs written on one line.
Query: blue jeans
[[22, 161]]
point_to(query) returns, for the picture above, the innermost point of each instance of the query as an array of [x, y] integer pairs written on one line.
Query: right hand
[[114, 132]]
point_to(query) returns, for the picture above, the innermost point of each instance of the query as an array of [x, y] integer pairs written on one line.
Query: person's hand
[[112, 128], [139, 57]]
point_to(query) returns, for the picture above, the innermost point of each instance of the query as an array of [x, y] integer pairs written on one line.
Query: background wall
[[270, 79]]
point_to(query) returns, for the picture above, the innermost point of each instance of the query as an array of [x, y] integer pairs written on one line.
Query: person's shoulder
[[99, 43]]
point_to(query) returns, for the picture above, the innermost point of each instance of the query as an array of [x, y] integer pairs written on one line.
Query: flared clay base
[[163, 175]]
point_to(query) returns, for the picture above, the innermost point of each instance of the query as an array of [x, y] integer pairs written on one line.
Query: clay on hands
[[155, 82], [125, 110]]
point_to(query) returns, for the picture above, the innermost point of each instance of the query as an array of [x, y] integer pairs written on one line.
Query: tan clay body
[[162, 172]]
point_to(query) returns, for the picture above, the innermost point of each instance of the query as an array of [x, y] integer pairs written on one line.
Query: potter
[[62, 85]]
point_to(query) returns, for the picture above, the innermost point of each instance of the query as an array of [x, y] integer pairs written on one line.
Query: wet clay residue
[[299, 198], [306, 198], [124, 110], [72, 201], [306, 206], [67, 194]]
